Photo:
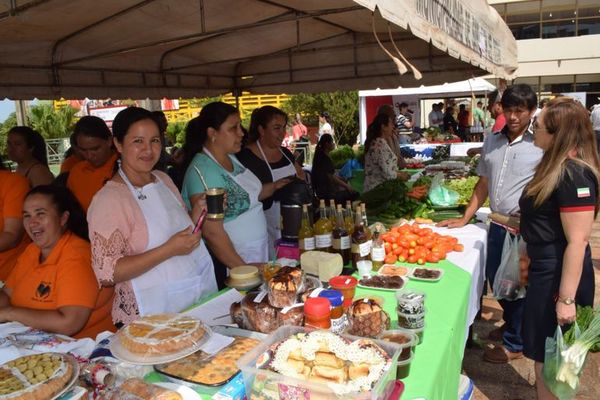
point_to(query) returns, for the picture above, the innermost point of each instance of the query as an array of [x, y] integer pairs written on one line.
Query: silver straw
[[201, 178]]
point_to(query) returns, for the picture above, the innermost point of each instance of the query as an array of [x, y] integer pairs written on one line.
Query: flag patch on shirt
[[583, 192]]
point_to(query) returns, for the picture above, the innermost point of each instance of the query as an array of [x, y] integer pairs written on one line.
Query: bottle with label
[[363, 209], [306, 236], [331, 212], [341, 239], [348, 218], [361, 243], [323, 230], [377, 251]]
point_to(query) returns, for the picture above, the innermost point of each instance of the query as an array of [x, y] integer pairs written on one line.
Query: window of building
[[529, 80], [588, 83], [557, 84], [526, 11], [588, 17]]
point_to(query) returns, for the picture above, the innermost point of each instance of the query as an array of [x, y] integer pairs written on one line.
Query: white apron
[[180, 281], [251, 251], [273, 214]]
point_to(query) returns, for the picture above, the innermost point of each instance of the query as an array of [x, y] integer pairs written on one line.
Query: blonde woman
[[558, 208]]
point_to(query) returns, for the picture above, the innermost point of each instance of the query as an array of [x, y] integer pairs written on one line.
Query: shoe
[[496, 334], [499, 355]]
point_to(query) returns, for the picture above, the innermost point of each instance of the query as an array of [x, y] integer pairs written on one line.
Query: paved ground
[[515, 381]]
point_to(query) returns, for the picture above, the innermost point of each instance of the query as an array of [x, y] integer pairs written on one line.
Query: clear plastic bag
[[560, 376], [441, 195], [507, 283]]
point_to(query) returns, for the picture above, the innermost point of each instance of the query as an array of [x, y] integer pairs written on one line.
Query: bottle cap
[[317, 307], [335, 297]]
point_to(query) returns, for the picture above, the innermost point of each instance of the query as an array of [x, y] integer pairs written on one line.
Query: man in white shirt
[[436, 117]]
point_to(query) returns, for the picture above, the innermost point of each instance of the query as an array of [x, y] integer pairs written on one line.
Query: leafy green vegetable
[[585, 315], [464, 187]]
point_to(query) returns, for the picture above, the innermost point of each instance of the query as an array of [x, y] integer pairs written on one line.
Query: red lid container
[[345, 284], [317, 307]]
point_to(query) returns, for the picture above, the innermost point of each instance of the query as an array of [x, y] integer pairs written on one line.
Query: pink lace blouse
[[117, 229]]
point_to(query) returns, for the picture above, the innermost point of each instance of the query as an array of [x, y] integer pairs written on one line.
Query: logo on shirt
[[43, 290], [583, 192]]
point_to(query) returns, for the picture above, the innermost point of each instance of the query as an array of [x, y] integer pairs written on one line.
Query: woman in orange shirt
[[53, 287], [13, 188], [27, 148]]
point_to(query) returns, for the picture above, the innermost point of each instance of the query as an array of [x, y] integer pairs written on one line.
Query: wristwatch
[[566, 300]]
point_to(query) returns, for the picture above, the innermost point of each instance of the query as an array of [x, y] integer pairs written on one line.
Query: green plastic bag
[[561, 376], [441, 195]]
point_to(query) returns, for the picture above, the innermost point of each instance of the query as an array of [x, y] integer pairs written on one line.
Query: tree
[[341, 106], [8, 124], [51, 123]]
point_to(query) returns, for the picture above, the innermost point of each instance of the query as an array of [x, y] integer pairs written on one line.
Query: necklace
[[140, 192]]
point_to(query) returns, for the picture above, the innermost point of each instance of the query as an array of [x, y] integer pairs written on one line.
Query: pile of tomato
[[413, 244]]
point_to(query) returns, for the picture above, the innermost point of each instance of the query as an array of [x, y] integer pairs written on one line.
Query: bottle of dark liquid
[[341, 239], [361, 242], [323, 230]]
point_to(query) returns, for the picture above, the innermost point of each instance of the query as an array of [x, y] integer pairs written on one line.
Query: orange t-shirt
[[13, 188], [69, 162], [65, 278], [85, 180]]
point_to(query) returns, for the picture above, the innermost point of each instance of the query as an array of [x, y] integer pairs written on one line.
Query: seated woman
[[53, 287], [326, 183], [13, 188], [269, 161], [141, 233], [381, 164], [27, 148], [241, 237]]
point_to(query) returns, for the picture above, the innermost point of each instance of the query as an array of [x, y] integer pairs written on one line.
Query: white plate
[[416, 278], [121, 353], [73, 379], [404, 279], [408, 270], [185, 392]]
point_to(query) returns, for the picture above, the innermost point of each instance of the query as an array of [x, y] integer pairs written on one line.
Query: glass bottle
[[306, 235], [341, 239], [377, 251], [363, 209], [361, 243], [331, 212], [323, 230], [348, 218]]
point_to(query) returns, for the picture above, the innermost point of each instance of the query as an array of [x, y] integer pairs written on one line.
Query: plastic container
[[419, 332], [405, 339], [403, 367], [279, 385], [317, 312], [410, 321], [345, 284], [411, 301]]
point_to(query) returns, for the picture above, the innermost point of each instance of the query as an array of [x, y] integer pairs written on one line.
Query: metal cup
[[214, 203]]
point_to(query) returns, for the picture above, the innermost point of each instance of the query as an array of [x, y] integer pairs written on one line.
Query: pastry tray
[[75, 365], [223, 330]]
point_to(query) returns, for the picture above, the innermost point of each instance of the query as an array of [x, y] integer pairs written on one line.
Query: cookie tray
[[205, 388]]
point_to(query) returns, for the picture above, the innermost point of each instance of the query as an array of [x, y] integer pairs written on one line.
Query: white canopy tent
[[191, 48], [476, 87]]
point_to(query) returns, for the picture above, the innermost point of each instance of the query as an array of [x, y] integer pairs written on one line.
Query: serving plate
[[418, 278]]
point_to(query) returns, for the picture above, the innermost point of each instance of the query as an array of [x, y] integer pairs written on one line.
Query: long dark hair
[[64, 200], [261, 117], [374, 130], [34, 141], [2, 166], [212, 115], [324, 140]]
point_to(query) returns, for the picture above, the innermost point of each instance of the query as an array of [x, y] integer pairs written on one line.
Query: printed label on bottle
[[307, 243], [377, 254], [339, 324], [365, 248], [323, 241], [342, 243]]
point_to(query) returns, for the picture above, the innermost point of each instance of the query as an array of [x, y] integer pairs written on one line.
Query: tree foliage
[[51, 123], [341, 106]]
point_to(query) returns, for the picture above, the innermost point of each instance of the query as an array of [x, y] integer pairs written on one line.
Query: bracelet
[[566, 300]]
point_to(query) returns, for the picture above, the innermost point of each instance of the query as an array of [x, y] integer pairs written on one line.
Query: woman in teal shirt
[[240, 238]]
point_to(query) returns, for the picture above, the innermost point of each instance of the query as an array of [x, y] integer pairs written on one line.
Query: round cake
[[35, 377], [161, 334]]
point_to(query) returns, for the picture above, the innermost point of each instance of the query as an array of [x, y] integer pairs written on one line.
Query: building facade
[[558, 45]]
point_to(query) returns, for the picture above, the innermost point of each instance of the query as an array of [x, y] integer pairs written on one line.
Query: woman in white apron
[[269, 161], [241, 237], [141, 232]]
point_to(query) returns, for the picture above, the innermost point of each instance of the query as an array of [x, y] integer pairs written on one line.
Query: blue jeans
[[513, 310]]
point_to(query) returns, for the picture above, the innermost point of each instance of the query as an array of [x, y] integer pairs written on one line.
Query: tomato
[[404, 243], [411, 251], [390, 259], [387, 247], [412, 243], [433, 258], [421, 240], [412, 259], [458, 247], [429, 244], [397, 251], [394, 246], [420, 261], [401, 258]]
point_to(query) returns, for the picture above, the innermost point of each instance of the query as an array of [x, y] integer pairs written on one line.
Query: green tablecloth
[[435, 369]]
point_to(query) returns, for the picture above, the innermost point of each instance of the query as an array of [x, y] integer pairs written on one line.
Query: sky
[[6, 107]]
